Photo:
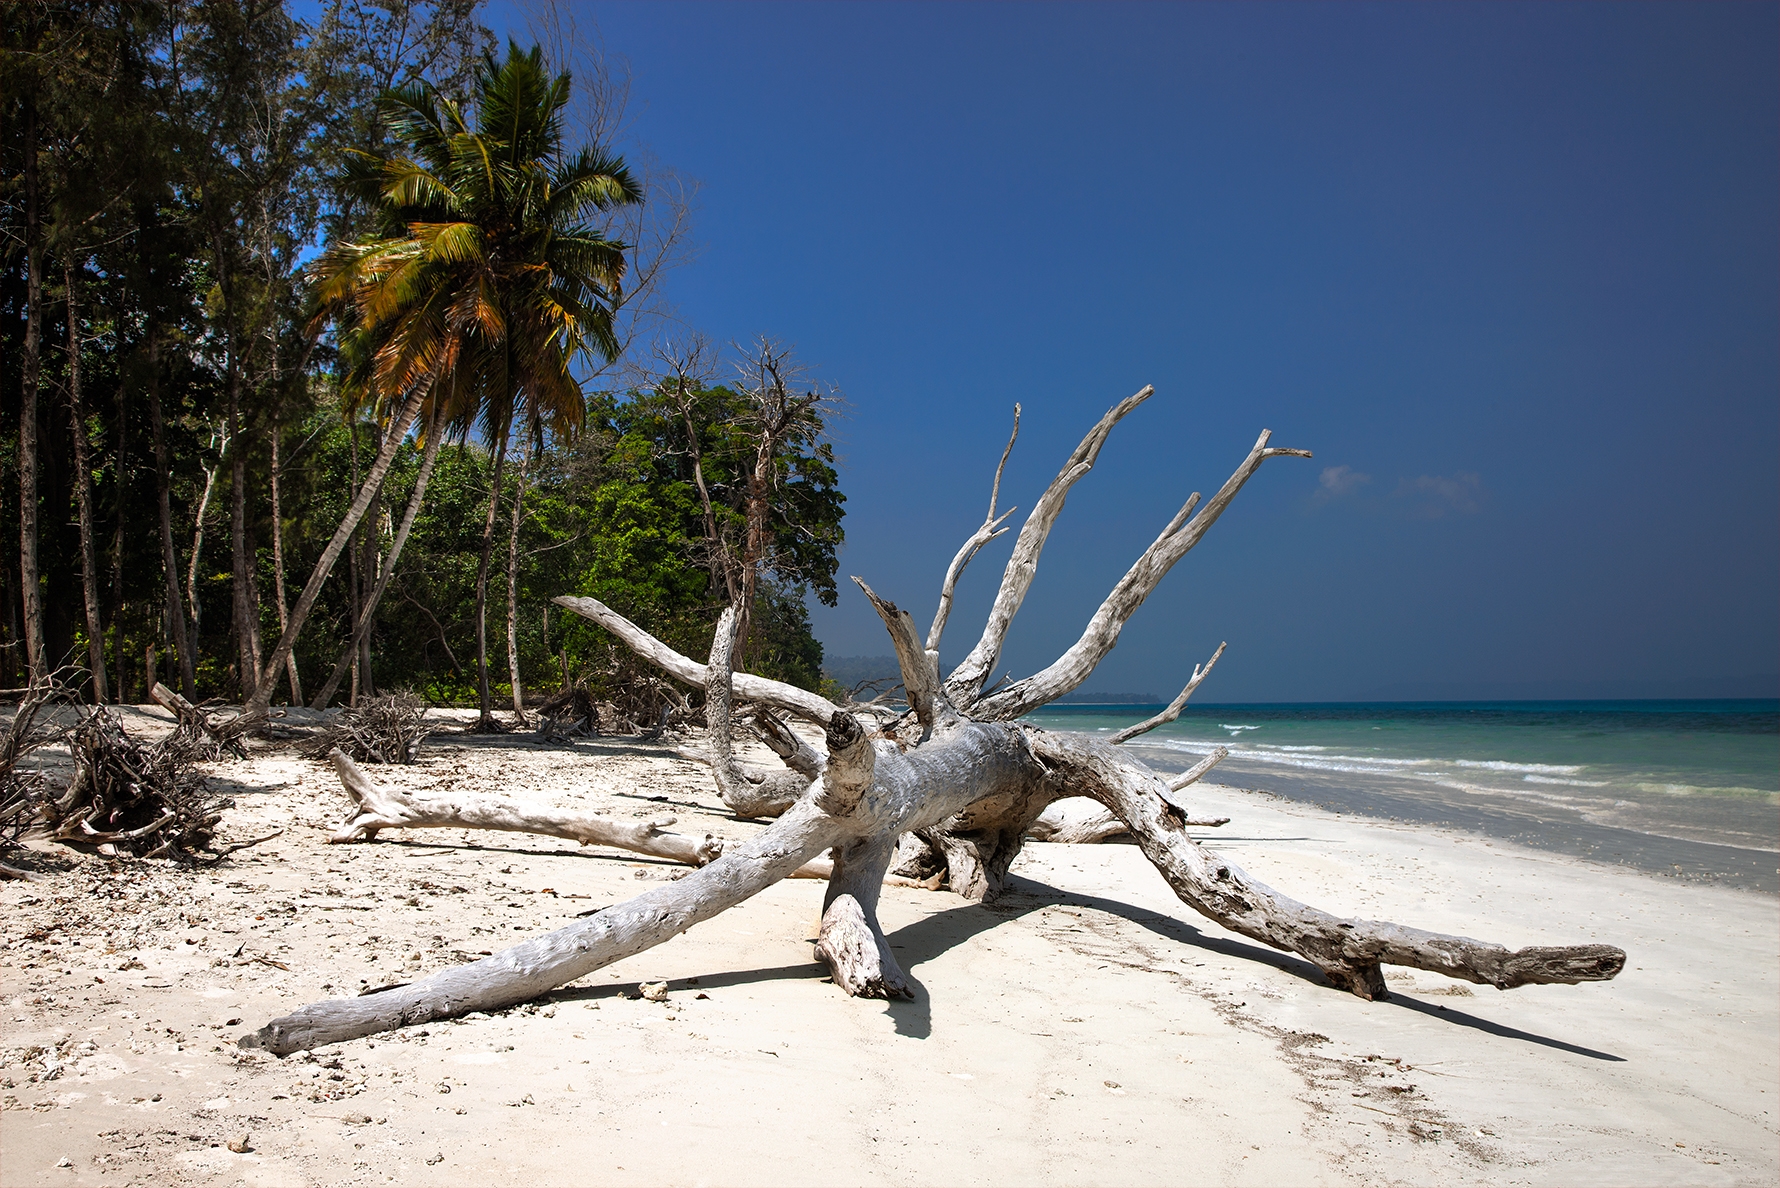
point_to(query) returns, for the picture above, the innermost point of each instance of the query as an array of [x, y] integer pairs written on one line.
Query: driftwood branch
[[376, 808], [747, 686], [1174, 707], [1193, 773], [920, 677], [966, 681], [1102, 633], [1348, 952], [991, 528]]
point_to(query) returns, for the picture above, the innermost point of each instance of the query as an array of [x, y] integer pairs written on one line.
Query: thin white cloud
[[1437, 495], [1338, 481]]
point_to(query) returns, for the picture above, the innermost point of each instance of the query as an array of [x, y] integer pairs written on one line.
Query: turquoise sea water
[[1680, 787]]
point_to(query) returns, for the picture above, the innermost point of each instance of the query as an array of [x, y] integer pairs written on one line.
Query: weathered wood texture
[[376, 808]]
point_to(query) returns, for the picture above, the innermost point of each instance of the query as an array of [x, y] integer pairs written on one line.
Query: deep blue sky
[[1515, 267]]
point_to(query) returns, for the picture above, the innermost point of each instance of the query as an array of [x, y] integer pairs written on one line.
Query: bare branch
[[919, 678], [989, 531], [1193, 774], [966, 681], [777, 694], [1174, 707], [1102, 632], [376, 808], [1349, 952]]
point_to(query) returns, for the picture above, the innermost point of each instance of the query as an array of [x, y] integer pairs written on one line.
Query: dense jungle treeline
[[243, 256]]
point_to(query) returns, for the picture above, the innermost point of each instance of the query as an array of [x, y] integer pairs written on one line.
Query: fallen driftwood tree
[[962, 775], [212, 734], [376, 808]]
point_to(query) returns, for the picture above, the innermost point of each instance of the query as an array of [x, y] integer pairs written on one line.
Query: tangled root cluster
[[147, 801], [570, 713], [387, 729]]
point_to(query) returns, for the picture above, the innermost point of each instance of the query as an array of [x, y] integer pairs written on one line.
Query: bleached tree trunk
[[970, 782], [376, 808], [290, 661]]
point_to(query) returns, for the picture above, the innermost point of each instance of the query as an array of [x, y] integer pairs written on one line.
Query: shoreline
[[1086, 1028], [1503, 818]]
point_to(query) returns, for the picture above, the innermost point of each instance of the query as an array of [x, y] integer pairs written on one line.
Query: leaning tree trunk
[[83, 487], [970, 783], [324, 565], [434, 436]]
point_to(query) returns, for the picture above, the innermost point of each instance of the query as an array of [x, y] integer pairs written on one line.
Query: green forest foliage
[[174, 170]]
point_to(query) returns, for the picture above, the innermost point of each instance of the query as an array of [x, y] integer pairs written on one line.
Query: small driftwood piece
[[376, 808], [955, 785], [214, 734]]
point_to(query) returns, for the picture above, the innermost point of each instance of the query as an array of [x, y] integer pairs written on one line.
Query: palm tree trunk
[[290, 662], [83, 487], [435, 436], [169, 559], [324, 565], [485, 719], [28, 573], [513, 584]]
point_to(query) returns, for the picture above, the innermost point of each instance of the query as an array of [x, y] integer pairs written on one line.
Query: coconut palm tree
[[489, 278]]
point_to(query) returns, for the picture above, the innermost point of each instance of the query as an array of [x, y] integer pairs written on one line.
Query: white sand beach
[[1087, 1028]]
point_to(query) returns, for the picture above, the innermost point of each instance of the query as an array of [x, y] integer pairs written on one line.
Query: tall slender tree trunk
[[525, 460], [83, 489], [28, 573], [354, 588], [324, 565], [369, 531], [117, 553], [169, 559], [290, 661], [485, 719], [246, 616], [435, 436]]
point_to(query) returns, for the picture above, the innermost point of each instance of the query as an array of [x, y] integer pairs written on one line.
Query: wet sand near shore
[[1507, 818]]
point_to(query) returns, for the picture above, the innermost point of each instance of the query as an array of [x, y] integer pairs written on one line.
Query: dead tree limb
[[966, 681], [1193, 773], [969, 788], [376, 808], [1174, 707], [991, 528], [748, 687]]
